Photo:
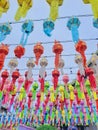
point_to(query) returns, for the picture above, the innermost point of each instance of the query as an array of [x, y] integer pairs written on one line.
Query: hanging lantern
[[24, 6], [38, 51], [4, 50], [30, 65], [78, 60], [57, 49], [5, 29], [54, 5], [38, 99], [73, 25], [55, 74], [81, 47], [19, 51], [65, 80], [61, 90], [29, 99], [48, 27], [61, 65], [4, 76], [94, 4], [43, 64], [20, 82], [13, 63], [4, 6], [89, 72]]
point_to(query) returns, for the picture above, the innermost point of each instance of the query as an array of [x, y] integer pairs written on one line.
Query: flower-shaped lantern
[[54, 5], [73, 25], [38, 51], [24, 6], [30, 65], [4, 50], [4, 6], [57, 49]]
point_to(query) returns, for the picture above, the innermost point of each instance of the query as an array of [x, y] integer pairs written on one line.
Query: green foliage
[[46, 127]]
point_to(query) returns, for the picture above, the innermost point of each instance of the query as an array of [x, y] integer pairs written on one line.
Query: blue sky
[[40, 10]]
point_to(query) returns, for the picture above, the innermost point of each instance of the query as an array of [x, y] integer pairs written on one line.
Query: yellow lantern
[[94, 4], [52, 99], [4, 6], [94, 95], [71, 89], [61, 90], [24, 6], [54, 5]]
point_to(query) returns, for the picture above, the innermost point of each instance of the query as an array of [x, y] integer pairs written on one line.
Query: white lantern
[[61, 65], [78, 60], [30, 65]]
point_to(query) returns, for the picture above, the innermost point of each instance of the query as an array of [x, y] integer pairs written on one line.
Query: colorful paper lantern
[[54, 5], [81, 47], [73, 25], [4, 6], [24, 6], [48, 27], [61, 65], [19, 51], [38, 51], [57, 49]]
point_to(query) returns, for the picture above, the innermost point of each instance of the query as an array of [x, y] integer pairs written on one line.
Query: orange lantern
[[19, 51], [38, 51], [55, 74], [4, 50], [57, 49], [81, 47], [4, 76]]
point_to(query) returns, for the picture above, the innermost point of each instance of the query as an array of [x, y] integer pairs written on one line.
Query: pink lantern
[[20, 82]]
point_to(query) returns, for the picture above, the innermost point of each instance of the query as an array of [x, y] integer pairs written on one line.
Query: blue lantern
[[95, 23], [27, 28], [5, 29], [73, 25], [48, 27]]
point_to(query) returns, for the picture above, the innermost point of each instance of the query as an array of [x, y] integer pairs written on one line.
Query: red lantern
[[81, 47], [57, 49], [38, 51], [29, 99], [38, 99], [4, 76], [89, 72], [19, 51], [55, 74], [4, 50]]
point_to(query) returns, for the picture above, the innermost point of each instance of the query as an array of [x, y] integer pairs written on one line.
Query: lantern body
[[19, 51], [4, 5]]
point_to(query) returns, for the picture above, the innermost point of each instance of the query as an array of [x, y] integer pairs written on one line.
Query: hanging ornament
[[15, 76], [13, 63], [61, 65], [27, 28], [34, 89], [4, 6], [20, 82], [65, 80], [30, 65], [38, 51], [4, 76], [73, 25], [24, 6], [78, 60], [94, 4], [54, 6], [29, 100], [55, 74], [5, 29], [57, 49], [61, 90], [4, 50], [48, 27], [81, 47], [38, 100], [89, 72], [43, 64]]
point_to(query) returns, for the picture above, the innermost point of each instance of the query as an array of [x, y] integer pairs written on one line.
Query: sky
[[40, 10]]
